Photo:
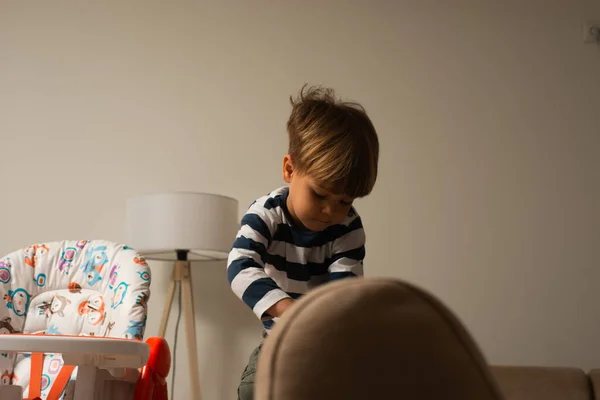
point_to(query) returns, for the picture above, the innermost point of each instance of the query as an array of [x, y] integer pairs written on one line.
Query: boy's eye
[[346, 203], [317, 195]]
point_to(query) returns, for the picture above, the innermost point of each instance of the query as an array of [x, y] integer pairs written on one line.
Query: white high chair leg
[[85, 383], [11, 392]]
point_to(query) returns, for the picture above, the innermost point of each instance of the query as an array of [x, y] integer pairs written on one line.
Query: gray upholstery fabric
[[594, 376], [537, 383], [371, 338]]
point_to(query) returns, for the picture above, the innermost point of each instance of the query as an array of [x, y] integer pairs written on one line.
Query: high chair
[[73, 318]]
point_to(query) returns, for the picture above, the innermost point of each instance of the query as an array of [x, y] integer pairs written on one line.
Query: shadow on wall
[[224, 327]]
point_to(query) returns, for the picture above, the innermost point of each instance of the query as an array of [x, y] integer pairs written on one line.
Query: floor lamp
[[182, 227]]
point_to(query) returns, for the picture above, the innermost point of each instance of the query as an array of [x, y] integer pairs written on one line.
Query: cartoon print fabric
[[88, 288]]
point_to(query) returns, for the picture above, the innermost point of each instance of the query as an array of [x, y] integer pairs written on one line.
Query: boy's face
[[311, 206]]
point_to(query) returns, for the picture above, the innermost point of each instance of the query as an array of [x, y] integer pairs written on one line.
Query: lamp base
[[182, 275]]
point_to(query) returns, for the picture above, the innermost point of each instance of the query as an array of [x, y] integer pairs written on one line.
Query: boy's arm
[[348, 252], [245, 268]]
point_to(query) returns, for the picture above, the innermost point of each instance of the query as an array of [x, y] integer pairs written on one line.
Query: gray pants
[[246, 387]]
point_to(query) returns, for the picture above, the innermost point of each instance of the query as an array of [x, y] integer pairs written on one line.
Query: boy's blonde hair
[[333, 142]]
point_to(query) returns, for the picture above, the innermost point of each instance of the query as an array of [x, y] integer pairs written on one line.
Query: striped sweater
[[272, 259]]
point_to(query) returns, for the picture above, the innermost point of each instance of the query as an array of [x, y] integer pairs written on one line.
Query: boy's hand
[[278, 308]]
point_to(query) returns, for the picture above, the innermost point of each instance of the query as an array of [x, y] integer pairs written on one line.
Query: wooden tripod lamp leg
[[190, 329], [168, 303]]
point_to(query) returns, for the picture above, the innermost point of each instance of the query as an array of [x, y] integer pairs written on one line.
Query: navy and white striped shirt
[[272, 259]]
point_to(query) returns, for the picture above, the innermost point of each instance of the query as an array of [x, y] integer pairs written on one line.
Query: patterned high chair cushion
[[82, 287]]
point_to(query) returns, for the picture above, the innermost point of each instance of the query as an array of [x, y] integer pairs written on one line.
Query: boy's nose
[[330, 211]]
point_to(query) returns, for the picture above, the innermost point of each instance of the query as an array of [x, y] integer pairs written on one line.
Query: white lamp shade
[[204, 224]]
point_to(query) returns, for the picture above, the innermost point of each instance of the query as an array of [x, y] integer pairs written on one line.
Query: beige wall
[[488, 112]]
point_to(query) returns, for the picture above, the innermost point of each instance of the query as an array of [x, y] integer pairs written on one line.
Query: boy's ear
[[288, 168]]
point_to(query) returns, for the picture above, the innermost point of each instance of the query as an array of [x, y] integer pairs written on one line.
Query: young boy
[[307, 233]]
